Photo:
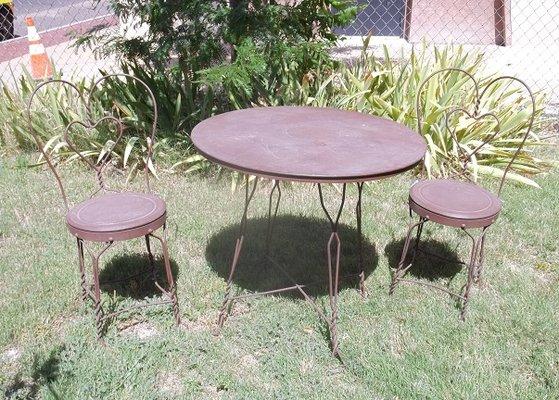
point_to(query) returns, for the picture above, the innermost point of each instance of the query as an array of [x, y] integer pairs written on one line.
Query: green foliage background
[[203, 58]]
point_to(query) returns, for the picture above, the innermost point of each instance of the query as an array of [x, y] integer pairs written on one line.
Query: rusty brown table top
[[309, 144]]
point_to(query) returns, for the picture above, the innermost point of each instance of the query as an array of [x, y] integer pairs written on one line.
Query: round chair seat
[[116, 216], [454, 203]]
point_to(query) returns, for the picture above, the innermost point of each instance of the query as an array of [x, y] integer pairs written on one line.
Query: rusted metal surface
[[309, 144], [315, 145], [109, 215], [458, 202], [117, 216], [455, 203]]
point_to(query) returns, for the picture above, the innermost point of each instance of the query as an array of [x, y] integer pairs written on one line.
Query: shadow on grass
[[437, 260], [298, 245], [129, 275], [42, 374]]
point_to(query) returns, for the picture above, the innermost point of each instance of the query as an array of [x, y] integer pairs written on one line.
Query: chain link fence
[[58, 23], [518, 37]]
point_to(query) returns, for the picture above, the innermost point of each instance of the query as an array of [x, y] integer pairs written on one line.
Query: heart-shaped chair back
[[466, 154], [90, 123]]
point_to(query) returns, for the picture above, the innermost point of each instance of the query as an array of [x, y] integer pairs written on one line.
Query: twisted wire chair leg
[[401, 269], [417, 239], [151, 259], [480, 259], [472, 267], [97, 298], [82, 270], [171, 291], [170, 278]]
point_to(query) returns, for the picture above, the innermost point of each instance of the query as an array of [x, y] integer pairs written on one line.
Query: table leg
[[333, 268], [227, 299], [272, 212], [358, 214]]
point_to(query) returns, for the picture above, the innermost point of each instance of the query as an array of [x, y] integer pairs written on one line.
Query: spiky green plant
[[55, 106], [385, 87]]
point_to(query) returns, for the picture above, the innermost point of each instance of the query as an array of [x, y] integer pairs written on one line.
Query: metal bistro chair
[[110, 216], [458, 202]]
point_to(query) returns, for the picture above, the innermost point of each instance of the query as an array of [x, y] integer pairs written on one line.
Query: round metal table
[[307, 144]]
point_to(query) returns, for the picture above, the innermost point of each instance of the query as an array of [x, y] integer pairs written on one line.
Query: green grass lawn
[[409, 346]]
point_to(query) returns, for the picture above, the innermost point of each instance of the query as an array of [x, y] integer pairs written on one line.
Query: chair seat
[[454, 203], [116, 216]]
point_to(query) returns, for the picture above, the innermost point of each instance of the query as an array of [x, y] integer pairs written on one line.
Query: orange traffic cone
[[41, 67]]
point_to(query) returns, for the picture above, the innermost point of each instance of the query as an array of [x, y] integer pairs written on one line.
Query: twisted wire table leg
[[225, 305], [272, 213], [333, 288], [401, 270], [82, 270], [358, 214], [333, 272]]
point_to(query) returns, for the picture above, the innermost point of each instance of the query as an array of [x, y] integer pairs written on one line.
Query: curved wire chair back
[[90, 123], [467, 155]]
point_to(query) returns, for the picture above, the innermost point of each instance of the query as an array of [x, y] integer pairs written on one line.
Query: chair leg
[[151, 259], [82, 270], [97, 290], [479, 267], [172, 287], [401, 270], [170, 279], [97, 297], [417, 239], [473, 270]]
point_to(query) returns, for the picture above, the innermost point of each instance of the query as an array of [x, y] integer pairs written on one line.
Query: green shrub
[[198, 34], [254, 80]]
